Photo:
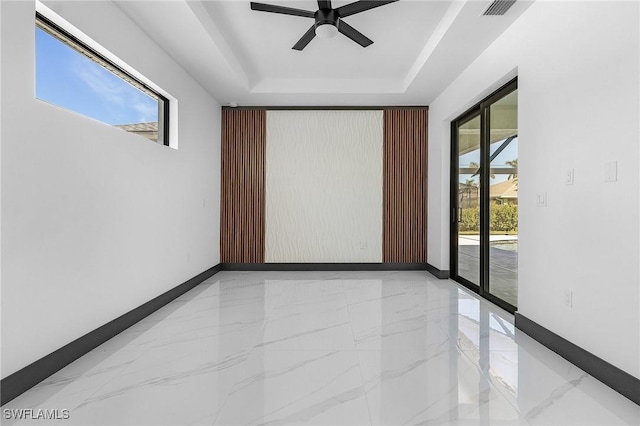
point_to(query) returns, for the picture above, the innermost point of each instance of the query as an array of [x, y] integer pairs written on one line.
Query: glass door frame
[[482, 109]]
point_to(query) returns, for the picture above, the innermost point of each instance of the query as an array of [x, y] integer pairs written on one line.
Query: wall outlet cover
[[611, 171]]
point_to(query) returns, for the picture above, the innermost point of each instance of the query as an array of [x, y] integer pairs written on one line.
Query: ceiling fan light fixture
[[326, 30], [327, 20]]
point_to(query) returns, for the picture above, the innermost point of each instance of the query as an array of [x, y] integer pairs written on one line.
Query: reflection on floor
[[326, 348], [503, 269]]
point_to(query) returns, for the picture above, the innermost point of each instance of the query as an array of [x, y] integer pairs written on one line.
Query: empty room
[[421, 212]]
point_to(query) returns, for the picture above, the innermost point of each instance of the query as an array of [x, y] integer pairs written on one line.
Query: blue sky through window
[[69, 79]]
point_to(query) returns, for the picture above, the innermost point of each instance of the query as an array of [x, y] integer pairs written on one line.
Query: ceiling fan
[[328, 21]]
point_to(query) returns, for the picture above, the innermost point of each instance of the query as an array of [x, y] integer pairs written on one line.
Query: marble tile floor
[[325, 348]]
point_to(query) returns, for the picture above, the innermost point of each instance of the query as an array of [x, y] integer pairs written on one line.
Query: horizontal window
[[72, 75]]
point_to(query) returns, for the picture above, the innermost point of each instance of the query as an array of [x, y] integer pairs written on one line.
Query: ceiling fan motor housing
[[326, 17]]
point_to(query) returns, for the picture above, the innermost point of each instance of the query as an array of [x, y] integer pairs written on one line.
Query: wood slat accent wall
[[404, 215], [242, 208]]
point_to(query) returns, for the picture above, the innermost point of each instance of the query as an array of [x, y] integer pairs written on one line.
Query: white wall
[[578, 74], [323, 186], [96, 221]]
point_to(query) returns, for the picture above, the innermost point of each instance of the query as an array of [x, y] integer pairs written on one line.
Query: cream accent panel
[[324, 186]]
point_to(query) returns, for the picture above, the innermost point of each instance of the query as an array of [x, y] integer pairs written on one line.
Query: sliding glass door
[[468, 199], [484, 198], [503, 197]]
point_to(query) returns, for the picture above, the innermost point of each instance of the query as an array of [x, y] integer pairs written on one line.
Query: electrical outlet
[[363, 245], [541, 199], [611, 171]]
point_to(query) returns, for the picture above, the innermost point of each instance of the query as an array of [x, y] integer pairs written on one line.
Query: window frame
[[65, 37]]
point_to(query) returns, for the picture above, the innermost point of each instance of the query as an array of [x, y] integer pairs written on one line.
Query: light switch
[[611, 171], [541, 199], [568, 298], [568, 177]]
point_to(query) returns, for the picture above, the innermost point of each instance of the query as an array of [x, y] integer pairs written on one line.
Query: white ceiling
[[245, 56]]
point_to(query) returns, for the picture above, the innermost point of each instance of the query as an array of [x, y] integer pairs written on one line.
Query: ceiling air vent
[[498, 7]]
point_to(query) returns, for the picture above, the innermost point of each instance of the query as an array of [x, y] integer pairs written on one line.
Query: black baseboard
[[324, 266], [29, 376], [443, 275], [617, 379]]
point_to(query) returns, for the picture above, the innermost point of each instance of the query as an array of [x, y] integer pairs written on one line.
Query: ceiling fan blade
[[324, 4], [353, 34], [360, 6], [305, 39], [281, 9]]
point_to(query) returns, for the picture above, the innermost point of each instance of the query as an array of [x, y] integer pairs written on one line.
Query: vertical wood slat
[[242, 195], [404, 236]]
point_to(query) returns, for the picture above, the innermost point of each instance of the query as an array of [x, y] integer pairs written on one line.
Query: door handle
[[456, 215]]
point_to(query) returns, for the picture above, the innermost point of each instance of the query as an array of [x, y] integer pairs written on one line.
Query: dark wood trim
[[324, 266], [323, 108], [404, 175], [242, 186], [617, 379], [440, 274], [22, 380]]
